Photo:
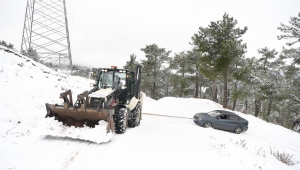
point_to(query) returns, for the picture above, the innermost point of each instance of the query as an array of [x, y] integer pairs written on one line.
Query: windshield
[[213, 113], [106, 79]]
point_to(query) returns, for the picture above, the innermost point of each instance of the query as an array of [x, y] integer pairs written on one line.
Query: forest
[[215, 67]]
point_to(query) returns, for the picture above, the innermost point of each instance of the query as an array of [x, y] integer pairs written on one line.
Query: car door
[[220, 122], [232, 123]]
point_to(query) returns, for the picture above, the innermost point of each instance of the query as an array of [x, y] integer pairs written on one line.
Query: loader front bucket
[[79, 114], [70, 123], [80, 117]]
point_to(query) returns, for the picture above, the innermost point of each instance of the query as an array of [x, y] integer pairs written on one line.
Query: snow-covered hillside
[[158, 143]]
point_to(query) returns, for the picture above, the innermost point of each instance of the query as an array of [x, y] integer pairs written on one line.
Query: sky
[[105, 33], [159, 142]]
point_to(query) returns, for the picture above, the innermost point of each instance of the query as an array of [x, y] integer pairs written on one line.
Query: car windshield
[[213, 113]]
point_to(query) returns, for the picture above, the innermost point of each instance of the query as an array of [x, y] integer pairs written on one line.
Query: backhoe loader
[[115, 101]]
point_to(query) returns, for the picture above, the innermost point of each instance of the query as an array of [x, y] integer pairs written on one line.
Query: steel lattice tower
[[46, 31]]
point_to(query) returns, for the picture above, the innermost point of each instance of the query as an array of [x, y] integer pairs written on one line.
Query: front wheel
[[120, 119], [207, 125]]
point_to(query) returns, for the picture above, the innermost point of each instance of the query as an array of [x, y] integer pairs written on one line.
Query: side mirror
[[218, 118]]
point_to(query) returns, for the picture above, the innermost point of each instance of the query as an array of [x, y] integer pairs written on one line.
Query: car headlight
[[199, 118]]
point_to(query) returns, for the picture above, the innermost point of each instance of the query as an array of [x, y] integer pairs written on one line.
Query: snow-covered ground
[[158, 143]]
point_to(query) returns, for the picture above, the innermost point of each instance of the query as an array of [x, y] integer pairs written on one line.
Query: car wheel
[[207, 124], [238, 130]]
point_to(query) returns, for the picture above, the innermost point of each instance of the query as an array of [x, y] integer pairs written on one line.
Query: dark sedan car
[[222, 119]]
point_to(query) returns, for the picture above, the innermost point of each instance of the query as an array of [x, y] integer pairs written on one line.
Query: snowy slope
[[158, 143]]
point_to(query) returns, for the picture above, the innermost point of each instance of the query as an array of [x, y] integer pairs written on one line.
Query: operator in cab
[[118, 84]]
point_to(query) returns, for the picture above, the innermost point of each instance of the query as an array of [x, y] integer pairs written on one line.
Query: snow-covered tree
[[181, 64], [292, 31], [152, 68], [132, 63], [221, 45]]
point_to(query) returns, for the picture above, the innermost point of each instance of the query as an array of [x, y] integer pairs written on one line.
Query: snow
[[98, 134], [158, 143]]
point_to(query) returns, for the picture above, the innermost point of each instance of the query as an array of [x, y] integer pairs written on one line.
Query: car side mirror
[[218, 117]]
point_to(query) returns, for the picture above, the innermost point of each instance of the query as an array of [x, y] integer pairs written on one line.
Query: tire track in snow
[[152, 114], [71, 159]]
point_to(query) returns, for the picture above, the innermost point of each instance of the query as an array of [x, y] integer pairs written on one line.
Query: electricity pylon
[[46, 34]]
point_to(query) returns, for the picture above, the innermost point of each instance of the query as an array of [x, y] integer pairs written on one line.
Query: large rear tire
[[135, 121], [120, 119]]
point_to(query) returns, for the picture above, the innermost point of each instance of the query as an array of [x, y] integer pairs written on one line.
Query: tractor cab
[[120, 79]]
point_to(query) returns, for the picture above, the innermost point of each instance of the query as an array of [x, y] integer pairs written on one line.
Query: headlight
[[199, 118]]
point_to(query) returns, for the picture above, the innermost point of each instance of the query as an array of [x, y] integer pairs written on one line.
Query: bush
[[31, 53], [10, 46], [284, 158], [3, 43]]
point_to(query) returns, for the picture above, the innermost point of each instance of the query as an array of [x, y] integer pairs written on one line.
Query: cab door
[[130, 85]]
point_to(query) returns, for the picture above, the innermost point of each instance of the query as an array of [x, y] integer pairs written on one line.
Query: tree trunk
[[200, 94], [246, 105], [154, 92], [269, 107], [167, 91], [257, 104], [197, 84], [154, 83], [225, 93], [180, 93], [215, 93], [296, 124], [181, 84], [228, 95], [233, 105], [234, 100]]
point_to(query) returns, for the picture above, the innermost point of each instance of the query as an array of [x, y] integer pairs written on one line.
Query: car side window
[[233, 118], [223, 116]]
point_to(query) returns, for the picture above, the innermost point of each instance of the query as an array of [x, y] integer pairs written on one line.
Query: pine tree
[[166, 81], [132, 63], [291, 31], [268, 74], [221, 45], [152, 68], [182, 66], [194, 60], [240, 79]]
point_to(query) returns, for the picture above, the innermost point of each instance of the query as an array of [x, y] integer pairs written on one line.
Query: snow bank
[[183, 107], [25, 88]]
